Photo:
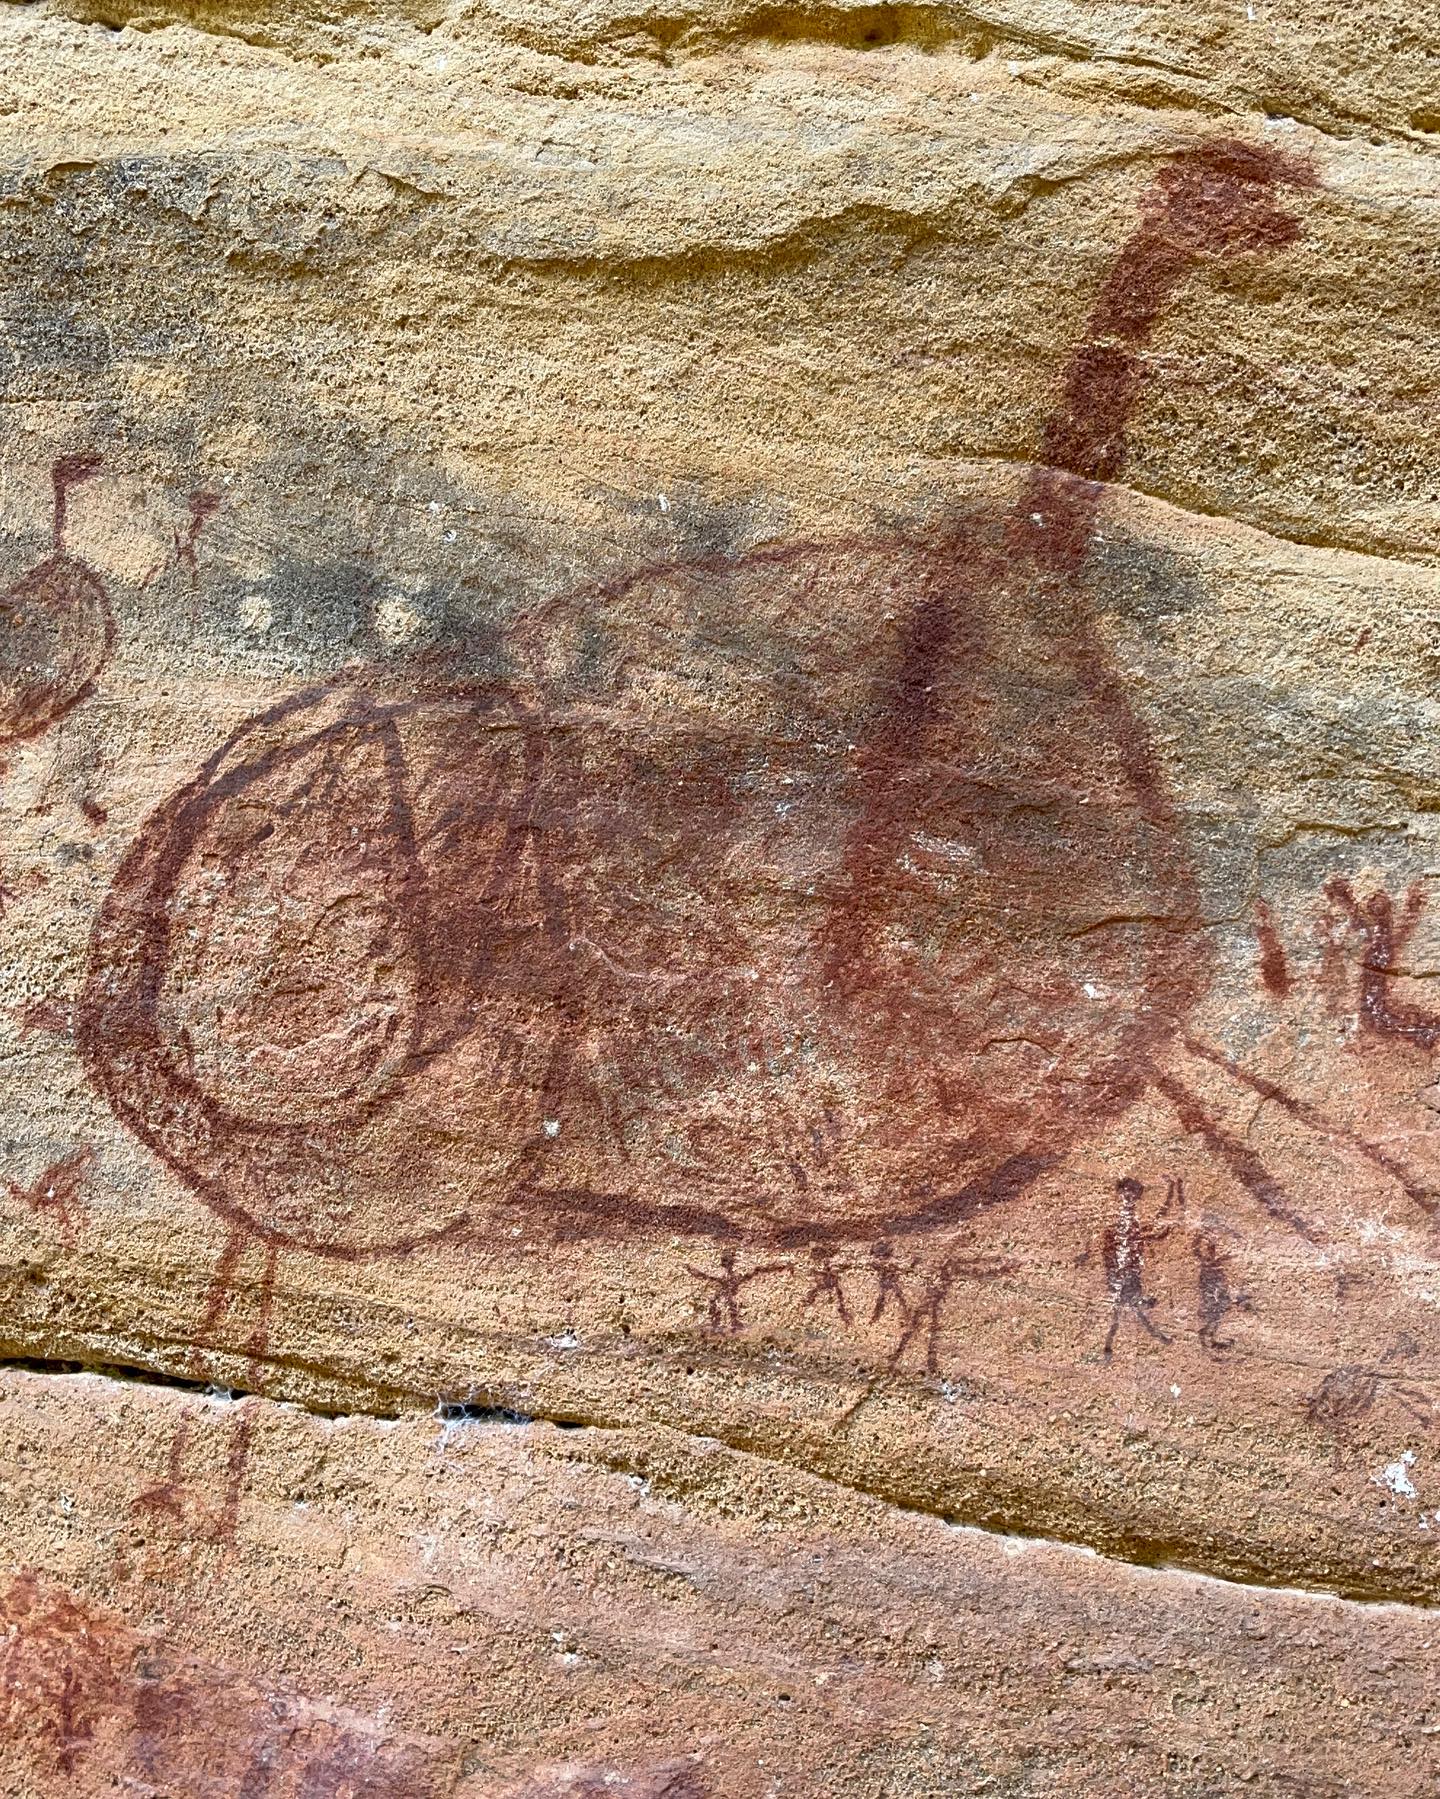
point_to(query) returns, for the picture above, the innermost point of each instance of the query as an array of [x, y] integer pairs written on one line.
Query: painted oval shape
[[820, 894], [875, 902], [267, 981], [289, 969], [56, 633]]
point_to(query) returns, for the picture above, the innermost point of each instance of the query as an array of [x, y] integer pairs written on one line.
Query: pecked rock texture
[[719, 919]]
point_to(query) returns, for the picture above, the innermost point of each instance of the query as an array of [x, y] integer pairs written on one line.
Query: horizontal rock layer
[[426, 1608]]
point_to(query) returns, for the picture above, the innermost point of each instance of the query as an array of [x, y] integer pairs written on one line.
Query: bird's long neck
[[1085, 435], [68, 472], [1212, 202], [1085, 439]]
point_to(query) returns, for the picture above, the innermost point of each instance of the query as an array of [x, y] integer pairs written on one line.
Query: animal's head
[[1220, 198]]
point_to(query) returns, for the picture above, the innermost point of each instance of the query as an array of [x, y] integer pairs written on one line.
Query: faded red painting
[[56, 630], [107, 1707]]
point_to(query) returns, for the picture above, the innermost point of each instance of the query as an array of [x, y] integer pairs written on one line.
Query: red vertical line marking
[[220, 1296], [1274, 969], [238, 1460]]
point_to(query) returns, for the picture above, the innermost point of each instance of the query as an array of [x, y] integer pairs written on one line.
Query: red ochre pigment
[[826, 893]]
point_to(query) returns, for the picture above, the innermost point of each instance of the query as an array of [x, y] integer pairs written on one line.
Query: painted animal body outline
[[1215, 200], [65, 600]]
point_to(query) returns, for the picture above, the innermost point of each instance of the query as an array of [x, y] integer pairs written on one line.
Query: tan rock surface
[[508, 1610], [719, 725]]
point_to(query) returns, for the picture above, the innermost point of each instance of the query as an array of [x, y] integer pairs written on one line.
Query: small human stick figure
[[926, 1309], [1385, 936], [826, 1283], [723, 1310], [1123, 1246], [204, 504], [1217, 1301]]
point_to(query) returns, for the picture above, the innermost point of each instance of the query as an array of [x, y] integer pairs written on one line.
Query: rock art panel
[[725, 738], [824, 895], [589, 1621], [82, 1689]]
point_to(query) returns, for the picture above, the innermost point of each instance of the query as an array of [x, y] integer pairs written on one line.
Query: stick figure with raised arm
[[723, 1311], [826, 1283]]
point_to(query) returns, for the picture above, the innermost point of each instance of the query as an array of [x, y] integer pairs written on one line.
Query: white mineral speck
[[1397, 1476], [396, 620], [256, 612]]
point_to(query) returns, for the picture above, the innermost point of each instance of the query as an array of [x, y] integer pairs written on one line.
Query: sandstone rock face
[[718, 834], [400, 1610]]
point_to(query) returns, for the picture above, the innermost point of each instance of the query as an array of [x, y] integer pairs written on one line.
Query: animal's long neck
[[68, 472], [1086, 433], [1212, 202], [1085, 439]]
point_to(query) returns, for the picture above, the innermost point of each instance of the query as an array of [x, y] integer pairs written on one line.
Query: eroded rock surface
[[500, 1609], [719, 726]]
